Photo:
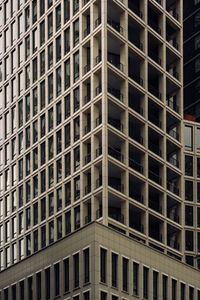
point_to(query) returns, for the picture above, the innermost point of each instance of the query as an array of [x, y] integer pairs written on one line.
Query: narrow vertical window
[[76, 270], [57, 279], [86, 254], [66, 275], [125, 274], [155, 285], [114, 269], [145, 282], [103, 257], [47, 283]]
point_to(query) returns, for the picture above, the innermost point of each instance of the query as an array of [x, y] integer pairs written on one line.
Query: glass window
[[35, 40], [27, 76], [59, 199], [58, 81], [20, 113], [174, 284], [47, 283], [43, 236], [67, 164], [42, 63], [103, 267], [68, 193], [67, 106], [67, 74], [67, 40], [42, 94], [136, 279], [58, 17], [51, 232], [39, 286], [86, 255], [57, 278], [188, 165], [75, 6], [50, 25], [76, 32], [42, 33], [43, 181], [76, 66], [66, 274], [35, 131], [35, 240], [76, 270], [77, 217], [66, 10], [76, 99], [34, 11], [197, 65], [76, 129], [188, 190], [67, 135], [50, 147], [27, 47], [58, 48], [42, 7], [197, 19], [188, 138], [27, 108], [50, 55], [42, 125], [59, 169], [51, 204], [43, 153], [76, 158], [59, 227], [50, 87], [58, 141], [68, 222], [145, 282], [35, 159], [114, 269]]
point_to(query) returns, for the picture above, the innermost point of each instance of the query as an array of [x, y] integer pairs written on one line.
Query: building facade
[[92, 198]]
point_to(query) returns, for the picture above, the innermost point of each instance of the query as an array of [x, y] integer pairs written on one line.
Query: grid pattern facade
[[90, 118]]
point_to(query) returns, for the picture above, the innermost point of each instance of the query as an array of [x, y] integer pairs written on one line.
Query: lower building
[[98, 262]]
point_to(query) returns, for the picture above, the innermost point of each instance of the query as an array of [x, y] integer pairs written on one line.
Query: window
[[182, 291], [34, 11], [38, 286], [68, 222], [42, 7], [42, 33], [50, 87], [27, 76], [51, 204], [76, 94], [42, 63], [77, 217], [114, 269], [50, 25], [67, 74], [42, 94], [189, 215], [27, 107], [47, 283], [42, 125], [188, 165], [21, 290], [135, 279], [50, 119], [35, 159], [35, 131], [43, 236], [86, 254], [164, 287], [50, 147], [59, 199], [35, 186], [188, 190], [67, 40], [57, 278], [35, 40], [50, 55], [51, 232], [43, 209], [43, 181], [35, 240], [76, 270], [155, 285], [58, 81], [103, 296], [86, 295], [197, 65], [66, 10], [76, 32], [67, 106], [197, 19], [28, 246], [27, 47], [145, 282], [76, 129], [174, 284], [103, 258], [76, 158], [191, 293], [67, 164], [58, 17], [188, 138], [76, 66], [59, 227], [75, 6]]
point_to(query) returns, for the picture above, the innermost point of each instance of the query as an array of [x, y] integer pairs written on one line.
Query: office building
[[92, 154]]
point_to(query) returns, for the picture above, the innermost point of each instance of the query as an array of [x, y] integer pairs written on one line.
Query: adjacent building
[[93, 185]]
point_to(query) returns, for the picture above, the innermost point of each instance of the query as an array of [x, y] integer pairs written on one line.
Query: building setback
[[95, 154]]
